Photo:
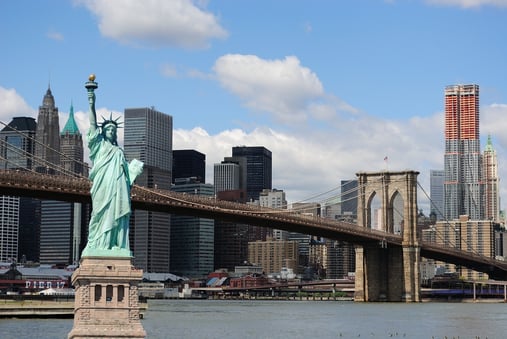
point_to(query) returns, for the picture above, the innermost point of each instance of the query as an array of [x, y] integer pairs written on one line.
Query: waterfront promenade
[[42, 308], [37, 308]]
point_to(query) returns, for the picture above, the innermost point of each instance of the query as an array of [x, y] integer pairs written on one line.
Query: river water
[[296, 319]]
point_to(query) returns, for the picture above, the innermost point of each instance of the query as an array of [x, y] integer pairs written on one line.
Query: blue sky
[[330, 87]]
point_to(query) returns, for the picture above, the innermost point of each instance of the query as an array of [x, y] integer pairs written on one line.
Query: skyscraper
[[258, 169], [148, 138], [226, 176], [192, 238], [19, 233], [189, 163], [63, 224], [437, 179], [71, 146], [231, 239], [47, 148], [72, 161], [490, 172], [274, 198], [463, 189]]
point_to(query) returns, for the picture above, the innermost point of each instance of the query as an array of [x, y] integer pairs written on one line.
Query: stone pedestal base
[[106, 302]]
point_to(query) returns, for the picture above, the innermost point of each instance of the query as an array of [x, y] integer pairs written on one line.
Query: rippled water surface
[[296, 319]]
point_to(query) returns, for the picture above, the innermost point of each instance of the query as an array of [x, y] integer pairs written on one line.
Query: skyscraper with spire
[[491, 180], [463, 189], [62, 223], [47, 136], [71, 146]]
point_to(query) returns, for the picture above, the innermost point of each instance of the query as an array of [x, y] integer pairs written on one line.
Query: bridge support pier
[[388, 273]]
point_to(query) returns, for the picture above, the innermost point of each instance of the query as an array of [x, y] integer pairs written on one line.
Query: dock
[[43, 309]]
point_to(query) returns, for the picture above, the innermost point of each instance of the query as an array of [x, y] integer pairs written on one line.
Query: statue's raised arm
[[91, 86]]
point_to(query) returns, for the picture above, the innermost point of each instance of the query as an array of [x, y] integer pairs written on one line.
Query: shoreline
[[65, 309], [44, 309]]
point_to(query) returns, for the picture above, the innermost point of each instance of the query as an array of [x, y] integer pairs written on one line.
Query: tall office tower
[[47, 148], [18, 144], [349, 197], [72, 159], [189, 163], [274, 198], [148, 138], [231, 239], [19, 233], [258, 177], [64, 224], [192, 238], [230, 175], [437, 179], [490, 172], [463, 189], [258, 169]]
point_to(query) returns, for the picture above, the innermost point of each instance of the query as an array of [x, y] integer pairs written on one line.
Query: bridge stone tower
[[388, 273]]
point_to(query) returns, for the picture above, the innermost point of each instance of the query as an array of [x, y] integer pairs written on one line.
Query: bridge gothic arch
[[379, 267]]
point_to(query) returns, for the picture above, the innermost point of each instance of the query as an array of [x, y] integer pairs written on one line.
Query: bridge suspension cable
[[57, 168], [441, 236], [349, 193]]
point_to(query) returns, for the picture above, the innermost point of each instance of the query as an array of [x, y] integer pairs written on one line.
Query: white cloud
[[283, 87], [168, 71], [310, 164], [13, 105], [469, 3], [157, 23], [55, 35]]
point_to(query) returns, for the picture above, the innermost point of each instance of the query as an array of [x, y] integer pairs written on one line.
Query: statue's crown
[[111, 121]]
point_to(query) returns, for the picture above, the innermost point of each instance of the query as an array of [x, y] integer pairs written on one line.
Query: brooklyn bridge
[[378, 248]]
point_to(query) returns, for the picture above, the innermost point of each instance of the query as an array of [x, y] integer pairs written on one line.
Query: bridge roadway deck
[[65, 188]]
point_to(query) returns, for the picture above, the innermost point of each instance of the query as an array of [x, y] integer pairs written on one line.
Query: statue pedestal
[[106, 303]]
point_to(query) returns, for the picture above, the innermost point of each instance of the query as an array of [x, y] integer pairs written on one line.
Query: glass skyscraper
[[437, 178], [18, 225], [189, 163], [148, 138], [192, 238], [258, 169]]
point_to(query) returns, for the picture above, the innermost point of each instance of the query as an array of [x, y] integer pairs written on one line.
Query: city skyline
[[360, 82]]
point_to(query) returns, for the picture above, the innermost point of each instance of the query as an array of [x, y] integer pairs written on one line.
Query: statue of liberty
[[112, 178]]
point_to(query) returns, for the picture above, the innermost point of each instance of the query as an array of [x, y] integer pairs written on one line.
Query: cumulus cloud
[[307, 165], [282, 87], [13, 105], [156, 23], [469, 3]]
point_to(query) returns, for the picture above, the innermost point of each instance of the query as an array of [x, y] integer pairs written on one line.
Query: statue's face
[[110, 133]]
